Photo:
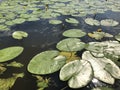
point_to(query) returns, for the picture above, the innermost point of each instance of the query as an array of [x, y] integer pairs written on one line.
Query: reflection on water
[[43, 36]]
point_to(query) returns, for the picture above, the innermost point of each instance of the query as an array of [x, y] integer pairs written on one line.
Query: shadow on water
[[43, 36]]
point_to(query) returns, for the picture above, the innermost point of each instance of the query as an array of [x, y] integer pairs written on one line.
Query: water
[[43, 36]]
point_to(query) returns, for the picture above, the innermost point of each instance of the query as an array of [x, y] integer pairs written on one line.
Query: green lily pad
[[51, 58], [109, 22], [91, 21], [72, 20], [74, 33], [55, 21], [18, 20], [104, 69], [70, 44], [103, 88], [2, 69], [10, 53], [19, 34], [78, 73], [15, 64], [117, 37]]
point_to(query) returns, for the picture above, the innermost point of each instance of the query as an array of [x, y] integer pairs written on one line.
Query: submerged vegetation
[[76, 61]]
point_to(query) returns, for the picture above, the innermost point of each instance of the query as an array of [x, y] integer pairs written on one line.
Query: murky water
[[43, 36]]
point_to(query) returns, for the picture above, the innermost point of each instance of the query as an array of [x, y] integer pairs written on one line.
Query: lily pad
[[72, 20], [91, 21], [104, 69], [10, 53], [19, 34], [15, 64], [78, 73], [109, 22], [103, 88], [99, 35], [6, 84], [74, 33], [51, 58], [55, 21], [117, 37], [70, 44], [18, 20]]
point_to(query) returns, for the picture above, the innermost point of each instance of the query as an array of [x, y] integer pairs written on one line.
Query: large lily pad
[[46, 62], [74, 33], [78, 73], [10, 53], [70, 44], [104, 69]]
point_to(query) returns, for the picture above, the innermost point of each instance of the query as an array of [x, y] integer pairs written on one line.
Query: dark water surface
[[43, 36]]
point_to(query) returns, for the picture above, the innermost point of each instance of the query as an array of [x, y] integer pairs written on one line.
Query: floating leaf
[[72, 20], [19, 34], [18, 20], [102, 88], [99, 35], [99, 65], [2, 69], [10, 53], [91, 21], [74, 33], [70, 44], [117, 37], [109, 22], [78, 73], [70, 56], [6, 84], [52, 59], [42, 83], [15, 64], [55, 21]]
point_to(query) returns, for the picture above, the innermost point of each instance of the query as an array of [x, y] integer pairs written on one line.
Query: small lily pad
[[78, 73], [91, 21], [74, 33], [72, 20], [117, 37], [55, 21], [19, 34], [10, 53], [51, 58], [109, 22], [70, 44], [15, 64]]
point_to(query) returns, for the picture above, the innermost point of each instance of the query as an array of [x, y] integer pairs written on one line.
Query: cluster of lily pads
[[18, 11], [99, 60], [106, 22], [7, 83]]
